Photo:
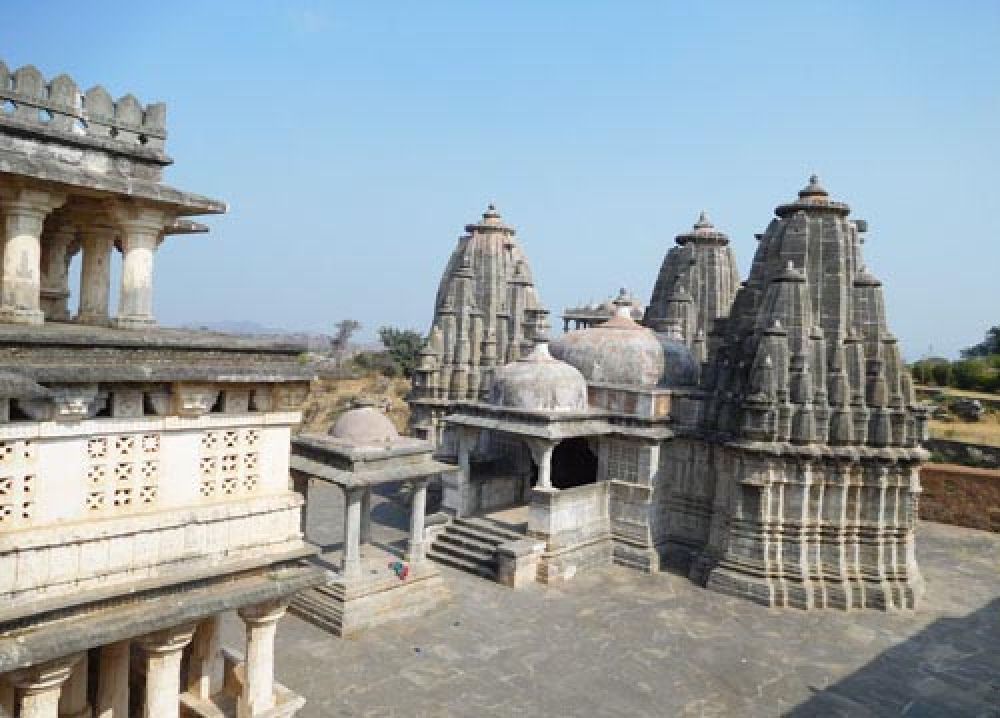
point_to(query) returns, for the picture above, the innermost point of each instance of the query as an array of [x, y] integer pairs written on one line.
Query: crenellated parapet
[[58, 109]]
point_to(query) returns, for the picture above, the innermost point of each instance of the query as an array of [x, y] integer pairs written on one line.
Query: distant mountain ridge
[[315, 342]]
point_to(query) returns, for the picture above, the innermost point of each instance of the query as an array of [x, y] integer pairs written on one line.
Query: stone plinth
[[517, 562], [575, 527], [347, 606]]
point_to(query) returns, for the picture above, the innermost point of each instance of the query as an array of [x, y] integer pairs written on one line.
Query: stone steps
[[492, 528], [318, 608], [473, 567], [469, 544]]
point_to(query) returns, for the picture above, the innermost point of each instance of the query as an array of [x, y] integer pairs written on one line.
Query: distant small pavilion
[[363, 450]]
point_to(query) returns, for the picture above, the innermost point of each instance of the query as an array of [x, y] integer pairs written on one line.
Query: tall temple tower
[[696, 285], [486, 314], [814, 429]]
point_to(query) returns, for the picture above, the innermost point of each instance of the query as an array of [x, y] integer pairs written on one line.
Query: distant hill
[[316, 342]]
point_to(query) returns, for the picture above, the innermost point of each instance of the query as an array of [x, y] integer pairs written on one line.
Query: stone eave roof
[[102, 185], [369, 476], [69, 335], [67, 353], [149, 605], [542, 424]]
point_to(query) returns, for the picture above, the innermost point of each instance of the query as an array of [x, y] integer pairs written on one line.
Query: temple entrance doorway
[[573, 464]]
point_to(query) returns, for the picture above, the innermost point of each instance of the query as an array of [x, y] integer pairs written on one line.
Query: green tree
[[990, 345], [403, 347]]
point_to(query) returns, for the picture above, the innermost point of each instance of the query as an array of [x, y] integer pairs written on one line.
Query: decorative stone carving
[[194, 400]]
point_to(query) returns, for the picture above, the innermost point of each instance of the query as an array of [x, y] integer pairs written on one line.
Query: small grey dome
[[680, 368], [619, 351], [540, 383], [365, 426]]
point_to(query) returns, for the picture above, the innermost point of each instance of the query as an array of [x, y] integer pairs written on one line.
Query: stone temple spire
[[703, 265], [486, 313], [814, 411]]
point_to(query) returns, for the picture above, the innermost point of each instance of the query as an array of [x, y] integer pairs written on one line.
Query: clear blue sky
[[353, 140]]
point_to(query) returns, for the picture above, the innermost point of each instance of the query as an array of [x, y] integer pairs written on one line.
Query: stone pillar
[[21, 274], [366, 516], [163, 671], [95, 275], [417, 550], [203, 658], [300, 484], [38, 687], [112, 681], [7, 697], [258, 687], [352, 533], [73, 700], [141, 229], [541, 452], [58, 246]]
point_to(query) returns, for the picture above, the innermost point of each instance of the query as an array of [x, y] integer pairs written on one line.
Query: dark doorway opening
[[573, 464]]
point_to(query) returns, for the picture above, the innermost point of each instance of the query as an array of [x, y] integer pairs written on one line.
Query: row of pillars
[[59, 689], [36, 245], [357, 526]]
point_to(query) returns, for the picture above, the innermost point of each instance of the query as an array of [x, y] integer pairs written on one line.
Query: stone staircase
[[469, 544], [321, 606]]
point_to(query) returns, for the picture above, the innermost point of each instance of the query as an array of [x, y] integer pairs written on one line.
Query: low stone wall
[[575, 526], [961, 495], [959, 452]]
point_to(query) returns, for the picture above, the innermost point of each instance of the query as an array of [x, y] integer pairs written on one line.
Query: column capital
[[260, 614], [168, 640], [44, 676], [30, 201], [139, 218]]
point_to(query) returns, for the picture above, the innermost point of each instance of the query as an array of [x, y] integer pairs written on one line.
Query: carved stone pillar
[[258, 688], [541, 452], [21, 275], [112, 681], [351, 567], [417, 550], [95, 275], [163, 671], [58, 247], [203, 659], [38, 687], [7, 697], [141, 231], [73, 699], [366, 516]]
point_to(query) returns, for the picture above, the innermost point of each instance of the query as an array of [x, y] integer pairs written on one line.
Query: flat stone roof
[[66, 352]]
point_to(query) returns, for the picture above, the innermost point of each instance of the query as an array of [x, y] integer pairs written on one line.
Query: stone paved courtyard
[[623, 644]]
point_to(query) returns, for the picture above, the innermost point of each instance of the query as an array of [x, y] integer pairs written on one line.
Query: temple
[[144, 472], [590, 315], [782, 467], [486, 313], [695, 286]]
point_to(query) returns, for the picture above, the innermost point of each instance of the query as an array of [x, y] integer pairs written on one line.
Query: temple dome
[[364, 426], [680, 367], [619, 351], [539, 382]]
